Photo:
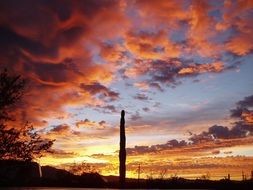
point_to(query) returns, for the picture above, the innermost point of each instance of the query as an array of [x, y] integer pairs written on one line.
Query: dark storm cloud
[[240, 129], [237, 112], [40, 28], [242, 106], [246, 102], [33, 25], [53, 73], [30, 11], [244, 111], [11, 40], [215, 132]]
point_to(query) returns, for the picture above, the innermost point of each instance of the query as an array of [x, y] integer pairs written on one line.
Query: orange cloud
[[176, 162], [237, 14], [151, 45], [91, 124], [202, 68], [161, 12], [201, 30], [55, 57], [241, 44], [243, 111], [247, 117], [142, 85], [60, 57]]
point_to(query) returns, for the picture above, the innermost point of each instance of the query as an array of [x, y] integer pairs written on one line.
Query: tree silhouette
[[11, 92], [81, 168], [23, 143]]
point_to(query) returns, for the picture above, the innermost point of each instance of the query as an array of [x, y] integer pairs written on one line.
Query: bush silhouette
[[23, 143]]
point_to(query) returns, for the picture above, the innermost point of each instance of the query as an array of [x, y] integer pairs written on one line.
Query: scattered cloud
[[57, 153], [142, 97], [136, 116], [243, 110], [202, 68], [146, 109], [60, 129], [156, 148], [215, 136], [107, 108], [142, 85], [91, 124], [103, 91]]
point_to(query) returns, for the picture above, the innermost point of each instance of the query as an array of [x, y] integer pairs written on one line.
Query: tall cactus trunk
[[122, 151]]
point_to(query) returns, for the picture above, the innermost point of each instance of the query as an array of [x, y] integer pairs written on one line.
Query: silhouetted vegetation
[[178, 183], [20, 173], [12, 174], [61, 178], [11, 92], [22, 142], [81, 168]]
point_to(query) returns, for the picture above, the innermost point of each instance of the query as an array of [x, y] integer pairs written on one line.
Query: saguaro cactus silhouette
[[122, 151]]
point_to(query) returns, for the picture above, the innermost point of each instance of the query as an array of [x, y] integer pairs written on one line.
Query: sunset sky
[[182, 71]]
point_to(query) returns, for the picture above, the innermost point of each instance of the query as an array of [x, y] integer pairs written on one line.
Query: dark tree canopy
[[11, 92], [23, 143]]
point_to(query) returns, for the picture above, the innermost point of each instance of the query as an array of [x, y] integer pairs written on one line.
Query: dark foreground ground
[[145, 184], [21, 174]]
